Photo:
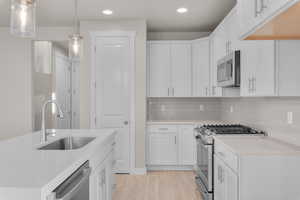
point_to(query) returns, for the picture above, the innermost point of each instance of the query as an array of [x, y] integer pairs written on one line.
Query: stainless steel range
[[205, 151]]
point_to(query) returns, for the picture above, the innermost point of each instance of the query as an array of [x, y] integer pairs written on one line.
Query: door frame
[[131, 36]]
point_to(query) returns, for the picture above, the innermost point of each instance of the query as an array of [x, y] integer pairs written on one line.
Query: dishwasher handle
[[67, 195]]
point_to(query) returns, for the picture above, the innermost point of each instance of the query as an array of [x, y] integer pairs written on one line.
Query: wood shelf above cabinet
[[285, 26]]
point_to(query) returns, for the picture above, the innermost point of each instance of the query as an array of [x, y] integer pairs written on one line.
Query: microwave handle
[[69, 194]]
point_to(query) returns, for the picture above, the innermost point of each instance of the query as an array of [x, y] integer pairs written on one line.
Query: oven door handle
[[76, 185]]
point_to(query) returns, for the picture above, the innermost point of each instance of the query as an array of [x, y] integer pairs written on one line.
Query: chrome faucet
[[59, 115]]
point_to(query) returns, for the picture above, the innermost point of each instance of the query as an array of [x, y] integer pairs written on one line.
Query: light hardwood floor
[[167, 185]]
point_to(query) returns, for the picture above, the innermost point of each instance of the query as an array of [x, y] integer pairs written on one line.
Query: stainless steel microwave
[[229, 70]]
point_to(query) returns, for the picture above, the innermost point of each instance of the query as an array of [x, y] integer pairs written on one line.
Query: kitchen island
[[31, 174]]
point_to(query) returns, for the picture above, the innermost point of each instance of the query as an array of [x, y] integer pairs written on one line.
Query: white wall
[[15, 79], [15, 85], [140, 45], [176, 35]]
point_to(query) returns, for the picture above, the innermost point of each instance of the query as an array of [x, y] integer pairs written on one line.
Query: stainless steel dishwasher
[[75, 187]]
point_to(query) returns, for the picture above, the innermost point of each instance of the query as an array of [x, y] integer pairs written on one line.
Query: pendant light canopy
[[23, 18], [75, 40]]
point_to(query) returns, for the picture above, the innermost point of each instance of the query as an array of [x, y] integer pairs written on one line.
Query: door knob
[[125, 122]]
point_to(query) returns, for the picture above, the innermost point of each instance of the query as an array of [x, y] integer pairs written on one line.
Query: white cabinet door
[[264, 80], [200, 69], [109, 175], [248, 66], [159, 64], [218, 51], [186, 146], [181, 69], [162, 148], [258, 68], [226, 182], [288, 81], [98, 184]]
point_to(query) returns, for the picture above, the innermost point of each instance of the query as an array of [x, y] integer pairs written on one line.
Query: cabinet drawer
[[162, 128], [227, 156]]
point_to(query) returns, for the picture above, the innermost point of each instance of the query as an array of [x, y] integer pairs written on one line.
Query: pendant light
[[75, 40], [23, 18]]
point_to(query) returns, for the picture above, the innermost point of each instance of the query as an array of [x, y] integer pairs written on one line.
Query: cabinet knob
[[126, 122]]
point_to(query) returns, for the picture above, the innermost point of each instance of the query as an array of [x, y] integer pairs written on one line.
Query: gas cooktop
[[227, 129]]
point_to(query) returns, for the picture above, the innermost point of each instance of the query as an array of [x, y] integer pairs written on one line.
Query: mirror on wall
[[55, 77]]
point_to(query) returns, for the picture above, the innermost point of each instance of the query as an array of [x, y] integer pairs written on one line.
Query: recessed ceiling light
[[182, 10], [107, 12]]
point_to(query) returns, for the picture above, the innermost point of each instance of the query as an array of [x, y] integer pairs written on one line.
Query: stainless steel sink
[[68, 143]]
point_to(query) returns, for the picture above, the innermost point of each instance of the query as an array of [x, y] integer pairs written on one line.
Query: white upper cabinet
[[223, 41], [169, 69], [288, 59], [159, 67], [218, 51], [181, 82], [200, 67], [253, 14], [258, 68]]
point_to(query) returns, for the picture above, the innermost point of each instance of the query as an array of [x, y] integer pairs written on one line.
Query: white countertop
[[23, 166], [185, 122], [258, 145]]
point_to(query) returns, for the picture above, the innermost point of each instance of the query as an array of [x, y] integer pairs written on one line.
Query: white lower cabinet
[[162, 148], [102, 180], [226, 181], [186, 145], [171, 145]]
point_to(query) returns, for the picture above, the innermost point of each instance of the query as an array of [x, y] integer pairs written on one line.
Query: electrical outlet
[[290, 117], [201, 108], [231, 109]]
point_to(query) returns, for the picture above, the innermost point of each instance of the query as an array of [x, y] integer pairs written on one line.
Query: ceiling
[[161, 15]]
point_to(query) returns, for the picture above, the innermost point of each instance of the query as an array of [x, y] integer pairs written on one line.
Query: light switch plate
[[231, 109], [201, 107], [290, 117]]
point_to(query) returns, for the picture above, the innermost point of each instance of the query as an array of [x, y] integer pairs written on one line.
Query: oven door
[[203, 191], [205, 164]]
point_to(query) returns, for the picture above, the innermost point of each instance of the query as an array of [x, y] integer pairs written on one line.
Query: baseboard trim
[[139, 171], [170, 167]]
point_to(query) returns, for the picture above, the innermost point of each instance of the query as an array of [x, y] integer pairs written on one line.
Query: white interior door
[[112, 93], [63, 89]]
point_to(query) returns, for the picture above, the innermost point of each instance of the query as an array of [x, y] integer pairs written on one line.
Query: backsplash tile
[[183, 109], [268, 114]]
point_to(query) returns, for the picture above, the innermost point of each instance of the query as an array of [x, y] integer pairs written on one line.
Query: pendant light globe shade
[[75, 46], [23, 18]]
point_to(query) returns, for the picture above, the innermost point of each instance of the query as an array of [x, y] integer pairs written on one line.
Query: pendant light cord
[[76, 21]]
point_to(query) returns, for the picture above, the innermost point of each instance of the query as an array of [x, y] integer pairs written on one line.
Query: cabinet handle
[[249, 85], [206, 91], [263, 5], [254, 84], [220, 174], [256, 10], [163, 129]]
